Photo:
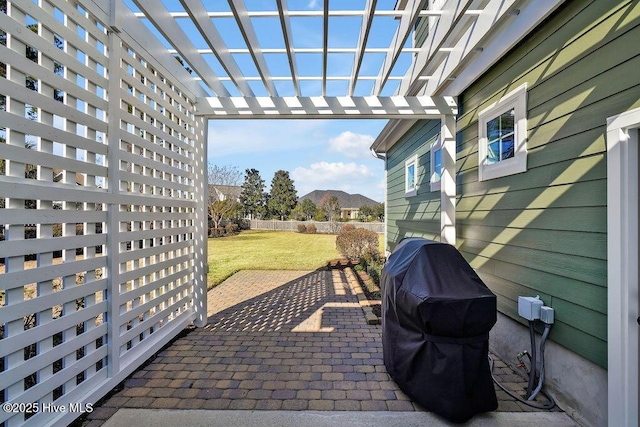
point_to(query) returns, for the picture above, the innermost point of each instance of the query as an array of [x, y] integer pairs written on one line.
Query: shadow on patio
[[277, 340]]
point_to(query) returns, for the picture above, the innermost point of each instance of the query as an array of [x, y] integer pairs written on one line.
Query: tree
[[252, 196], [378, 212], [330, 207], [283, 196], [222, 203], [220, 210], [308, 208], [365, 213]]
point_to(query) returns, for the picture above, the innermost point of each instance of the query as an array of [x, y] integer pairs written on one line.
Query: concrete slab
[[204, 418]]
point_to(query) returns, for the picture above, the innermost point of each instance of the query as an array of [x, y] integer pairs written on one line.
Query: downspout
[[386, 205]]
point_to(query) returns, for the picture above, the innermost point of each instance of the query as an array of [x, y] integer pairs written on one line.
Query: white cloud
[[312, 4], [350, 177], [352, 145]]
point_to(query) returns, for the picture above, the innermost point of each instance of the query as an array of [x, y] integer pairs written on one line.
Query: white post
[[113, 208], [201, 224], [623, 307], [448, 180]]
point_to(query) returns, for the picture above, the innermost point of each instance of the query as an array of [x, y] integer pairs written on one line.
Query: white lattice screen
[[101, 183]]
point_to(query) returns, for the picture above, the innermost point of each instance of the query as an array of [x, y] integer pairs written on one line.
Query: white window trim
[[435, 146], [516, 100], [410, 192]]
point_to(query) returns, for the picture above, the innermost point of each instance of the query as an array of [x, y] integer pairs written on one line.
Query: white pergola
[[94, 100], [462, 32], [465, 38]]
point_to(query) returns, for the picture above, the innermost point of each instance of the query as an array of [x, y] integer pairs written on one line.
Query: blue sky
[[318, 154]]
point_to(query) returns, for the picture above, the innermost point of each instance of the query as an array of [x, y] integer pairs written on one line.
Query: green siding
[[418, 215], [543, 232]]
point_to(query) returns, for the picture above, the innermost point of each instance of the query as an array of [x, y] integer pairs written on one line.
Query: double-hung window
[[502, 134], [411, 176], [436, 165]]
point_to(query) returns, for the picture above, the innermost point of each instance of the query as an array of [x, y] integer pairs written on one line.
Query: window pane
[[437, 165], [507, 123], [493, 129], [507, 148], [493, 152], [411, 173]]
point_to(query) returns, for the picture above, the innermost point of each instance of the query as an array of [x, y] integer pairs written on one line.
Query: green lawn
[[268, 250]]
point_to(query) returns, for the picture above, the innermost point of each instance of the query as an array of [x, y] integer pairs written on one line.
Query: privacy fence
[[321, 226], [104, 157]]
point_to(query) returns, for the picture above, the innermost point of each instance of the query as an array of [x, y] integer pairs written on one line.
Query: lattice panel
[[157, 157], [53, 281], [99, 158]]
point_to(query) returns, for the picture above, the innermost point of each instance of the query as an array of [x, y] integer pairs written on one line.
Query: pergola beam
[[516, 22], [325, 45], [208, 31], [451, 13], [302, 13], [285, 23], [158, 14], [251, 39], [407, 21], [495, 12], [369, 10], [399, 107]]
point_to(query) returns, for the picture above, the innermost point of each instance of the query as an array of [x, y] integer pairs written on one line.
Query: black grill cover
[[436, 318]]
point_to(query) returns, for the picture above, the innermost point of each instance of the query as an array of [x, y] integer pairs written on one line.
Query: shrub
[[358, 243], [312, 229], [216, 232], [347, 227], [243, 224], [231, 228], [302, 228]]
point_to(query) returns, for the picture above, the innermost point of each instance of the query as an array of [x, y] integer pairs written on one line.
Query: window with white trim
[[436, 164], [502, 132], [411, 176]]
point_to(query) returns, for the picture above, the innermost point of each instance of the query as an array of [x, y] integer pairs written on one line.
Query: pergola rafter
[[369, 10], [170, 29], [246, 28], [285, 23], [213, 38], [459, 32], [407, 22]]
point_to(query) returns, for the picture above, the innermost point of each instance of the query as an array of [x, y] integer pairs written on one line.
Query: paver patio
[[278, 340]]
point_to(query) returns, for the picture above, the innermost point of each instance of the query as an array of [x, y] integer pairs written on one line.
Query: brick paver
[[279, 340]]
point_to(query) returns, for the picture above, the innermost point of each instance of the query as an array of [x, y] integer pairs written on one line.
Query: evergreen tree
[[378, 211], [283, 196], [252, 197], [308, 208]]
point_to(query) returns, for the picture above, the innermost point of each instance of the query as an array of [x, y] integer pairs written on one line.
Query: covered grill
[[436, 318]]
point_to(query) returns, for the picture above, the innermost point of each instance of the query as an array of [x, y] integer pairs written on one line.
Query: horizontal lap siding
[[543, 232], [418, 215]]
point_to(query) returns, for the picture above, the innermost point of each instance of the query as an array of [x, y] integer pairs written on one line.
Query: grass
[[268, 250]]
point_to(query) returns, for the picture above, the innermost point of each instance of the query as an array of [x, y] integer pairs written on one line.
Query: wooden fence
[[321, 226]]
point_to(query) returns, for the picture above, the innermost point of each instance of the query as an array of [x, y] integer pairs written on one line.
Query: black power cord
[[550, 404]]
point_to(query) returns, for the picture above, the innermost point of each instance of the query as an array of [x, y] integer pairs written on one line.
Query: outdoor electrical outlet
[[547, 315], [529, 307]]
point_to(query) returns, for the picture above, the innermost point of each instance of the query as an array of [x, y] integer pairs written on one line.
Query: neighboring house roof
[[57, 176], [345, 200], [224, 192]]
